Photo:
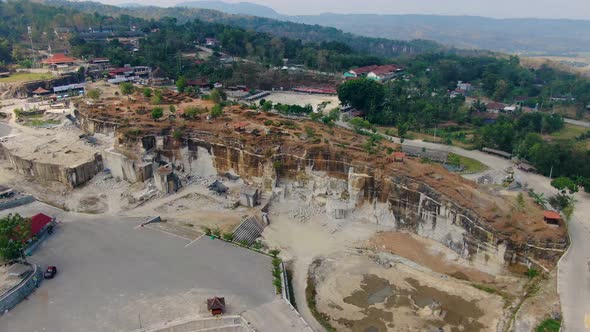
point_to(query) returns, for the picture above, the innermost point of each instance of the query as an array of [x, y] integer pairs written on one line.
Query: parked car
[[50, 272]]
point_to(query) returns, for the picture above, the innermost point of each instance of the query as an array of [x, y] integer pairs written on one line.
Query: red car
[[50, 272]]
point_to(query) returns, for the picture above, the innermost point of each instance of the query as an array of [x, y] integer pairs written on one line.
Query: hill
[[243, 8], [527, 36], [305, 32]]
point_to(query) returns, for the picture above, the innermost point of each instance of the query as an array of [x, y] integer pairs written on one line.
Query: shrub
[[216, 111], [228, 236], [531, 273], [206, 230], [216, 232], [147, 92], [93, 94], [274, 252], [177, 134], [157, 113], [549, 325]]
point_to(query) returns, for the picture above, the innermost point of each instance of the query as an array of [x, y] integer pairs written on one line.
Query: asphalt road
[[114, 277]]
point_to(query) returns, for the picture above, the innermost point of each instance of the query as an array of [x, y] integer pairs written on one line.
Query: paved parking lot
[[113, 276]]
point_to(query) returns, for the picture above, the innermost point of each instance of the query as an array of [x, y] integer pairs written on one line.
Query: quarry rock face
[[345, 188]]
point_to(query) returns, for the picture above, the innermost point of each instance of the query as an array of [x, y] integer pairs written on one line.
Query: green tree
[[157, 113], [14, 232], [126, 89], [181, 84], [217, 96], [267, 106], [565, 184], [94, 94], [358, 124], [362, 94]]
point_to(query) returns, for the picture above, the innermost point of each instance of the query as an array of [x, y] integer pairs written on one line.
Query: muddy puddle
[[379, 300]]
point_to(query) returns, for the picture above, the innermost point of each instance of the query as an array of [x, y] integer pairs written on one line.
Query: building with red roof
[[38, 222], [59, 59], [373, 72]]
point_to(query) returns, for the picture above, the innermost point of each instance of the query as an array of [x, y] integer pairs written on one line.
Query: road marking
[[163, 231], [587, 321], [195, 240]]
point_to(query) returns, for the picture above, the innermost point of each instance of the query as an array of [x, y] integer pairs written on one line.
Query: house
[[202, 84], [124, 71], [59, 60], [216, 305], [218, 85], [159, 77], [211, 42], [510, 109], [40, 222], [551, 217], [494, 107], [142, 71], [378, 73], [464, 86]]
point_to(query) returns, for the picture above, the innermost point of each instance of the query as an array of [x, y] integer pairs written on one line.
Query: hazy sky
[[578, 9]]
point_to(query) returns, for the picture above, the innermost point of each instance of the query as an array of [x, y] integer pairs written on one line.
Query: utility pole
[[551, 173]]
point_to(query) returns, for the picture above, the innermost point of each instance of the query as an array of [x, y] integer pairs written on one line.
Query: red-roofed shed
[[399, 156], [240, 126], [551, 217], [39, 221]]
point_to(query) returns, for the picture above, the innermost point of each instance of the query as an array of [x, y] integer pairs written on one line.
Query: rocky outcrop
[[72, 176]]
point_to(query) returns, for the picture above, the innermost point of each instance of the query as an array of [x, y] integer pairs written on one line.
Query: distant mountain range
[[526, 36]]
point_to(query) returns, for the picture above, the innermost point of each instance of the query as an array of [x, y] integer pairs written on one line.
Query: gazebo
[[40, 91], [216, 305]]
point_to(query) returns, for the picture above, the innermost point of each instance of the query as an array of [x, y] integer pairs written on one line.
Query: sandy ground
[[302, 99]]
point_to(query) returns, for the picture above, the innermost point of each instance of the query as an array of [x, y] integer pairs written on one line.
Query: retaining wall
[[11, 298], [16, 201]]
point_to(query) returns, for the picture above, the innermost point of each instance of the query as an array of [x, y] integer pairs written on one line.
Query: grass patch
[[471, 165], [568, 132], [41, 123], [310, 294], [25, 77], [486, 289], [549, 325]]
